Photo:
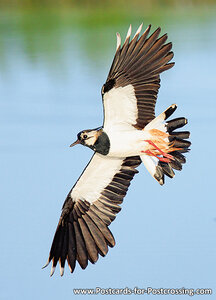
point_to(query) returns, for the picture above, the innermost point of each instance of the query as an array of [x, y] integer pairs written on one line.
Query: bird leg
[[163, 159], [167, 157]]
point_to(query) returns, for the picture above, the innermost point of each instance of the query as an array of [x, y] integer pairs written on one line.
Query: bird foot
[[166, 157]]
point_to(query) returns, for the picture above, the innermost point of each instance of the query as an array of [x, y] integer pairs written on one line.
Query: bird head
[[87, 138]]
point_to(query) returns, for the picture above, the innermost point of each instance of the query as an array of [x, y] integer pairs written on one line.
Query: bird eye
[[85, 136]]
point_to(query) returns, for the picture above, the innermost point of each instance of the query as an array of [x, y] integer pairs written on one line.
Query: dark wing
[[82, 233], [131, 88]]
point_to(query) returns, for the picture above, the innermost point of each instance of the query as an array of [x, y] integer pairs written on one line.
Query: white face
[[89, 137]]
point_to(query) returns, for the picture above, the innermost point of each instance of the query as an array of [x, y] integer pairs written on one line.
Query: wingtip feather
[[149, 27], [118, 41], [61, 271], [128, 33], [48, 261], [138, 30], [52, 271]]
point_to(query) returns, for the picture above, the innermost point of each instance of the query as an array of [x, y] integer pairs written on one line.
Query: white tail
[[165, 146]]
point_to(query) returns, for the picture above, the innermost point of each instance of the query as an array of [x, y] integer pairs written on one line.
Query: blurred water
[[50, 81]]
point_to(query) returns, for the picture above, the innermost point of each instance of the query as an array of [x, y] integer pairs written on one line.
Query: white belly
[[128, 142]]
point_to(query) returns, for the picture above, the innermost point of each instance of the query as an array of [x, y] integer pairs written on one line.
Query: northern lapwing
[[130, 134]]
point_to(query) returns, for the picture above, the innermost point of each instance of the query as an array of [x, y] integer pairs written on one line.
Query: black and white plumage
[[130, 135]]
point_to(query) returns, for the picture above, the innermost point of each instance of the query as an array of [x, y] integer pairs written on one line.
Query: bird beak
[[75, 143]]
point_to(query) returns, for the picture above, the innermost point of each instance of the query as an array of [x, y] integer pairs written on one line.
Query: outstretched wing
[[131, 88], [92, 204]]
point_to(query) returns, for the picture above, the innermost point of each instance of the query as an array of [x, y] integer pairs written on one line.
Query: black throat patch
[[102, 144]]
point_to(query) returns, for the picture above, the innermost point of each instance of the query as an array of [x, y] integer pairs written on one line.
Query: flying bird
[[130, 134]]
